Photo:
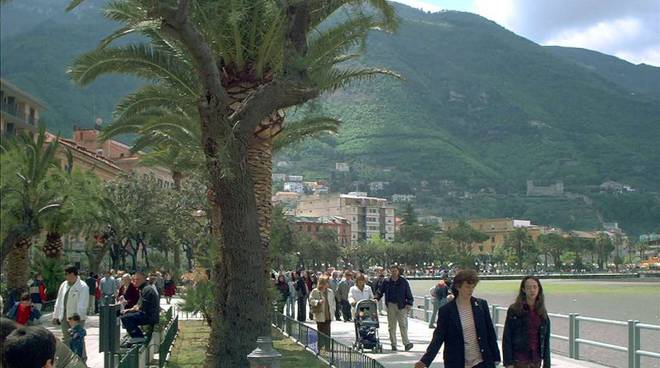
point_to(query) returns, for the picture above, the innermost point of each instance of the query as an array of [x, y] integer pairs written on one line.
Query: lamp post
[[264, 356]]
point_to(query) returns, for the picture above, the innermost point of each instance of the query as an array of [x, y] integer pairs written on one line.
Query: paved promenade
[[418, 331], [420, 335]]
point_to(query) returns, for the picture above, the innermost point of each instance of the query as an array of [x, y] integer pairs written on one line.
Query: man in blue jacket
[[398, 301]]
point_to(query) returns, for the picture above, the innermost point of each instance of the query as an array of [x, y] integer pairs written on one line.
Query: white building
[[294, 186]]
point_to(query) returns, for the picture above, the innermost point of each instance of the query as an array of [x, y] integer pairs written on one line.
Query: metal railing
[[142, 355], [327, 349], [169, 336], [423, 307]]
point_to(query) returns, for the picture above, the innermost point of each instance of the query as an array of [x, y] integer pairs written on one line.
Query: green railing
[[142, 355], [169, 336], [327, 349]]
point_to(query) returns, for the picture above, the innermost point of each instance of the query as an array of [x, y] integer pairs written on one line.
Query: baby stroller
[[366, 326]]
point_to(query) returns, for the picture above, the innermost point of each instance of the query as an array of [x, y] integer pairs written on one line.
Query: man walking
[[439, 293], [72, 297], [91, 285], [399, 300], [108, 289], [343, 289], [37, 291], [377, 285], [334, 285]]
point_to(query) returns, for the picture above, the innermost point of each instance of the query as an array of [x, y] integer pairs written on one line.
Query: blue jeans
[[132, 322], [290, 306]]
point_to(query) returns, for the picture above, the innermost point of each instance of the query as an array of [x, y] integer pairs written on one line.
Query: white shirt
[[355, 294]]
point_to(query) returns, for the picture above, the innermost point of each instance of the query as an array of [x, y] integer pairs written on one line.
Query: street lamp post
[[264, 356]]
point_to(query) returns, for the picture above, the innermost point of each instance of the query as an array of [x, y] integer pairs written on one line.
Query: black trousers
[[302, 310], [346, 310]]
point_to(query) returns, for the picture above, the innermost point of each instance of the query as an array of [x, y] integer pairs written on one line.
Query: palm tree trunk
[[16, 268]]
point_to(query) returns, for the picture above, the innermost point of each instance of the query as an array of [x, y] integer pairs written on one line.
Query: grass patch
[[190, 348]]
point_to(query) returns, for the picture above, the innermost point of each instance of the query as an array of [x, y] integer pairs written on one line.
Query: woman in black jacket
[[465, 328], [301, 294], [526, 340]]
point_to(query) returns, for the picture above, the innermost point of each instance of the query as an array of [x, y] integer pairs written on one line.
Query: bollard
[[572, 335], [427, 317], [264, 356], [633, 344]]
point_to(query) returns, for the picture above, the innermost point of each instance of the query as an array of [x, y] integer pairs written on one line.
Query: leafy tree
[[554, 245], [464, 236], [520, 242]]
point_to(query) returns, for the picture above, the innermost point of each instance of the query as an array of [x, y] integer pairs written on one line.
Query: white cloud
[[627, 29], [600, 36], [650, 56], [421, 5], [502, 12]]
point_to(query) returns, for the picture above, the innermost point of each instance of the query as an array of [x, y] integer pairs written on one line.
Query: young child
[[77, 333], [23, 312]]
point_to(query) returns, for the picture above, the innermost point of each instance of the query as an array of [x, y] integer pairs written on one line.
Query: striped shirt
[[472, 349]]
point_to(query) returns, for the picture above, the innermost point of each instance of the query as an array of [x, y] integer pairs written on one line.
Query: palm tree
[[245, 61], [27, 196]]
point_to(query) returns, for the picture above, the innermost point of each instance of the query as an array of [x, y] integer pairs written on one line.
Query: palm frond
[[300, 130], [335, 78], [140, 60]]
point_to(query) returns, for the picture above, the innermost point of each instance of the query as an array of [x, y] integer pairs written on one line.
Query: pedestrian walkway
[[420, 335]]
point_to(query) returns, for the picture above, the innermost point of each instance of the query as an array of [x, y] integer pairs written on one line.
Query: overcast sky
[[628, 29]]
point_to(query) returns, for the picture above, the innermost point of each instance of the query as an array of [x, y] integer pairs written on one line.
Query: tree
[[603, 247], [520, 242], [285, 60], [283, 243], [554, 245], [464, 236], [27, 196]]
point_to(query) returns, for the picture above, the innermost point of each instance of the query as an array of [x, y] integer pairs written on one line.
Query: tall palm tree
[[27, 196], [244, 61]]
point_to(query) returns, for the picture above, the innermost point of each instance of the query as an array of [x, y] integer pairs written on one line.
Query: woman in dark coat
[[301, 294], [283, 288], [526, 340], [465, 328]]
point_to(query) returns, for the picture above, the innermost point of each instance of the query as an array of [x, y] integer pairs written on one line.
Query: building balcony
[[15, 115]]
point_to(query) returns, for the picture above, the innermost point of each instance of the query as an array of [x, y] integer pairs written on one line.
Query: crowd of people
[[138, 296], [461, 322]]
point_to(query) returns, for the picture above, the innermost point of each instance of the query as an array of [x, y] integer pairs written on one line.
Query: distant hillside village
[[311, 207]]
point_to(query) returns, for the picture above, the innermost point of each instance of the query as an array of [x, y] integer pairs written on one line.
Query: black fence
[[333, 352]]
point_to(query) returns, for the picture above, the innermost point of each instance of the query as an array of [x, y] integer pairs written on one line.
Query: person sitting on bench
[[145, 312]]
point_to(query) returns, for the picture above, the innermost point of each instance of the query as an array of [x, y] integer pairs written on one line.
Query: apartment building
[[19, 111], [369, 217]]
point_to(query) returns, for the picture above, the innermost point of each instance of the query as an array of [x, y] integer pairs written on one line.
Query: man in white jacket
[[72, 297]]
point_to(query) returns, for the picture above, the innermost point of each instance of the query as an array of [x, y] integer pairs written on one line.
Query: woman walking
[[358, 292], [322, 303], [301, 295], [291, 299], [170, 288], [283, 289], [526, 340], [465, 328]]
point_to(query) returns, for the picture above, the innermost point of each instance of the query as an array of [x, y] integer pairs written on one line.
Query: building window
[[492, 239]]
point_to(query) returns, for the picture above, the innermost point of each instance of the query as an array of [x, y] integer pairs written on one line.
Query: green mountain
[[641, 79], [479, 110], [39, 40]]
